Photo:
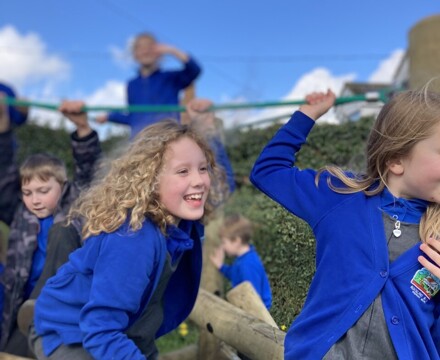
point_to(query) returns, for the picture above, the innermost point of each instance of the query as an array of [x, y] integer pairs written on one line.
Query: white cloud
[[387, 68], [122, 56], [25, 60], [112, 93], [319, 79]]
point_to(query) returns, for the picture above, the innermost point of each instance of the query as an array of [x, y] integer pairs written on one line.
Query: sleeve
[[247, 273], [276, 176], [227, 271], [184, 77], [9, 179], [121, 117], [86, 152], [123, 271]]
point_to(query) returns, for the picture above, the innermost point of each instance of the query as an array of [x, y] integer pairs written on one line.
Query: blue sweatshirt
[[248, 267], [352, 265], [104, 287], [39, 257], [159, 88]]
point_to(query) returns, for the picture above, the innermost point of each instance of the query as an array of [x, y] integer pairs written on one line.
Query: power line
[[228, 58]]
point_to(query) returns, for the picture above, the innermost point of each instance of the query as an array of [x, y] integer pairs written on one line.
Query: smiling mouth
[[193, 196]]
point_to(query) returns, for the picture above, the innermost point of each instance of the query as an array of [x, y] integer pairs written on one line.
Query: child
[[137, 275], [154, 86], [236, 233], [33, 202], [370, 298]]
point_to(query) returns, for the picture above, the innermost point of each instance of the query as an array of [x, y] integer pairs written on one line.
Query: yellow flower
[[283, 327], [183, 329]]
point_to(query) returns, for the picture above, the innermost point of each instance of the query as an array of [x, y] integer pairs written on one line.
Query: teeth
[[194, 197]]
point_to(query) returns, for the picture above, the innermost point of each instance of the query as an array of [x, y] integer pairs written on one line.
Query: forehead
[[36, 182], [184, 150], [144, 41]]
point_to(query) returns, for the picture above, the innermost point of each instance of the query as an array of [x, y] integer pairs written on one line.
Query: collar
[[408, 210]]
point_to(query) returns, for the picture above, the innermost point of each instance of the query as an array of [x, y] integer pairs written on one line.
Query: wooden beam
[[6, 356], [249, 335], [213, 282], [246, 298]]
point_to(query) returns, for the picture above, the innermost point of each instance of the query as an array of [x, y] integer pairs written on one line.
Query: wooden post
[[246, 298], [228, 351], [6, 356], [250, 336], [211, 281]]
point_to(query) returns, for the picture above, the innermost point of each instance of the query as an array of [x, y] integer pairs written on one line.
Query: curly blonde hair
[[130, 189], [409, 117]]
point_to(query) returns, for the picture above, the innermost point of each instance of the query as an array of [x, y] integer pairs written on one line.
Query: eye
[[44, 191], [203, 169], [182, 171], [25, 193]]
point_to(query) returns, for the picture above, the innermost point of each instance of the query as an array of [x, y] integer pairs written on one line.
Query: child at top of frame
[[373, 295], [34, 201], [236, 236], [17, 115], [152, 85], [137, 275]]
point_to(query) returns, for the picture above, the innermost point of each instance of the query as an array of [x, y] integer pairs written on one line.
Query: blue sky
[[249, 50]]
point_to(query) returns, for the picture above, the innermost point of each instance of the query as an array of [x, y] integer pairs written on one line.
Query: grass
[[178, 338]]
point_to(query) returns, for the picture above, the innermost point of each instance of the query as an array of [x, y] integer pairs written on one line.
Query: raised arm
[[191, 69], [274, 172], [85, 142]]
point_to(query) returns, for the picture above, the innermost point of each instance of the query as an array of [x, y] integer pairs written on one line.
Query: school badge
[[425, 285]]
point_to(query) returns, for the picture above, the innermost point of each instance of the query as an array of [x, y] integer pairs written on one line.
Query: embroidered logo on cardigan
[[425, 285]]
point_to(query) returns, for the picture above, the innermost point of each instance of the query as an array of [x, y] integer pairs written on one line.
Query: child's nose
[[35, 198], [197, 179]]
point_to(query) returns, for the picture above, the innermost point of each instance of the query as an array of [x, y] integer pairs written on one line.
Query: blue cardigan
[[159, 88], [104, 287], [352, 265]]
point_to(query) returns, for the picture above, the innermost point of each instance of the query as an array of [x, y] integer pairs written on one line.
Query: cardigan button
[[394, 320], [384, 273]]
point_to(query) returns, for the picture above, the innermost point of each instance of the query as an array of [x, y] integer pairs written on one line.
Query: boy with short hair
[[154, 86], [236, 234], [34, 202]]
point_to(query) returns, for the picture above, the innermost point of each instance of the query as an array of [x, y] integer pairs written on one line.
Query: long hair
[[409, 117], [130, 189]]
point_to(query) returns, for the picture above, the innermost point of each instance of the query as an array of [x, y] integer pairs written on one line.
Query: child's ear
[[395, 166]]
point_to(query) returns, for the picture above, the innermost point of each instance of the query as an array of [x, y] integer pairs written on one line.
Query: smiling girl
[[137, 275]]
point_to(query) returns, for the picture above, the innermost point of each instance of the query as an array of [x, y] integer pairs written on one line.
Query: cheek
[[52, 199], [27, 201]]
